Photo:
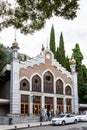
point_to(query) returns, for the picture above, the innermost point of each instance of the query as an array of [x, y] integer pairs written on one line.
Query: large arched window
[[36, 83], [68, 90], [48, 82], [24, 85], [59, 87]]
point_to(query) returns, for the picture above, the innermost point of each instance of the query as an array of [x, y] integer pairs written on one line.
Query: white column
[[31, 105], [42, 86], [64, 102], [72, 105], [42, 101], [75, 85], [14, 88], [75, 93], [55, 104]]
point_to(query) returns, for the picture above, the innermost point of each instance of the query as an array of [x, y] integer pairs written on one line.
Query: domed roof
[[72, 61], [15, 45]]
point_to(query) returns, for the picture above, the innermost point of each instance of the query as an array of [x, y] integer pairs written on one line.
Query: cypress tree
[[79, 57], [61, 51], [67, 64], [52, 41]]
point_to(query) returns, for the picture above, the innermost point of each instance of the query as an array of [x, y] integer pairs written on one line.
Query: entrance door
[[69, 109], [68, 106], [36, 105], [24, 109], [49, 104], [49, 107], [36, 109], [60, 108], [59, 105], [24, 105]]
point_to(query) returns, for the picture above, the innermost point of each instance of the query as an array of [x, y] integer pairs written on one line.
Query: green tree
[[84, 97], [52, 41], [79, 57], [67, 63], [84, 69], [61, 51], [3, 59], [84, 88], [31, 15]]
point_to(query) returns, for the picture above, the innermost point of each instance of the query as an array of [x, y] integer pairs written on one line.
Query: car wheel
[[63, 122], [75, 121]]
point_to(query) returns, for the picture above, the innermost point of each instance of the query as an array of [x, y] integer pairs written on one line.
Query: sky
[[74, 31]]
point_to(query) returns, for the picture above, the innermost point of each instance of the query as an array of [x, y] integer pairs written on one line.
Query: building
[[38, 83]]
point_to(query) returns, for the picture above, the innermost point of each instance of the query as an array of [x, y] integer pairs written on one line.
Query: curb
[[24, 126]]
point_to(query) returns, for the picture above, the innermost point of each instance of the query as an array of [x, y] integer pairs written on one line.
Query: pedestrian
[[50, 115]]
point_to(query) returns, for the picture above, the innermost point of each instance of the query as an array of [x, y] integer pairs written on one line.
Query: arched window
[[59, 87], [36, 83], [68, 90], [48, 82], [24, 85]]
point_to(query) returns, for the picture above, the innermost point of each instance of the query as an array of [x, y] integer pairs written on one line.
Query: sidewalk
[[16, 126]]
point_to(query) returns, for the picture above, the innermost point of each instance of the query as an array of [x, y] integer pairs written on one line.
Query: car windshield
[[61, 115]]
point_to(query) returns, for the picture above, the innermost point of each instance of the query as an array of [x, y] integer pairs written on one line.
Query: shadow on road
[[84, 128], [77, 129]]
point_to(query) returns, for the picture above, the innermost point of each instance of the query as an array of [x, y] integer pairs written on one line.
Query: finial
[[47, 44], [42, 47], [15, 35], [15, 44], [72, 61]]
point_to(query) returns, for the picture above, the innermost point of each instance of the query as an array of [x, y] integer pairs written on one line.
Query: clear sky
[[74, 31]]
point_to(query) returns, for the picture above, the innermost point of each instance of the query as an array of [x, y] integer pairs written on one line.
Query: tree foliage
[[78, 57], [52, 41], [61, 51], [67, 64], [3, 59], [84, 69], [31, 15], [82, 73]]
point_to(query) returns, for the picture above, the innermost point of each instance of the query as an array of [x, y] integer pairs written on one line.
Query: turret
[[74, 84], [14, 81], [73, 65], [15, 49]]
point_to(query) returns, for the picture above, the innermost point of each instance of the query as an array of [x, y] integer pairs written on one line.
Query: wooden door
[[24, 109], [36, 109], [24, 105]]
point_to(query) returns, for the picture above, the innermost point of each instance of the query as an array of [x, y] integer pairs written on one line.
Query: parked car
[[82, 117], [63, 119]]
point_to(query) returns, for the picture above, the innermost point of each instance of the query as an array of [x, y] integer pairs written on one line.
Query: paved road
[[78, 126]]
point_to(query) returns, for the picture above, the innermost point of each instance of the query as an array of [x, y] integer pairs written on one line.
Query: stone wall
[[18, 120]]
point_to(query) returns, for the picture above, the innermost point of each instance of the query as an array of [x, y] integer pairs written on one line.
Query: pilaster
[[55, 104], [14, 81], [42, 101]]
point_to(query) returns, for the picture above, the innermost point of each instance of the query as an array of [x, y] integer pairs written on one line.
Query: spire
[[15, 35], [15, 48], [15, 44], [42, 48], [47, 44]]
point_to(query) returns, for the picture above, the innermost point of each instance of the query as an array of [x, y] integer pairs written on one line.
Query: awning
[[4, 101], [83, 105]]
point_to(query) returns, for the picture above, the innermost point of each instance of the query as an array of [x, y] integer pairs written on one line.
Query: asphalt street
[[78, 126]]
